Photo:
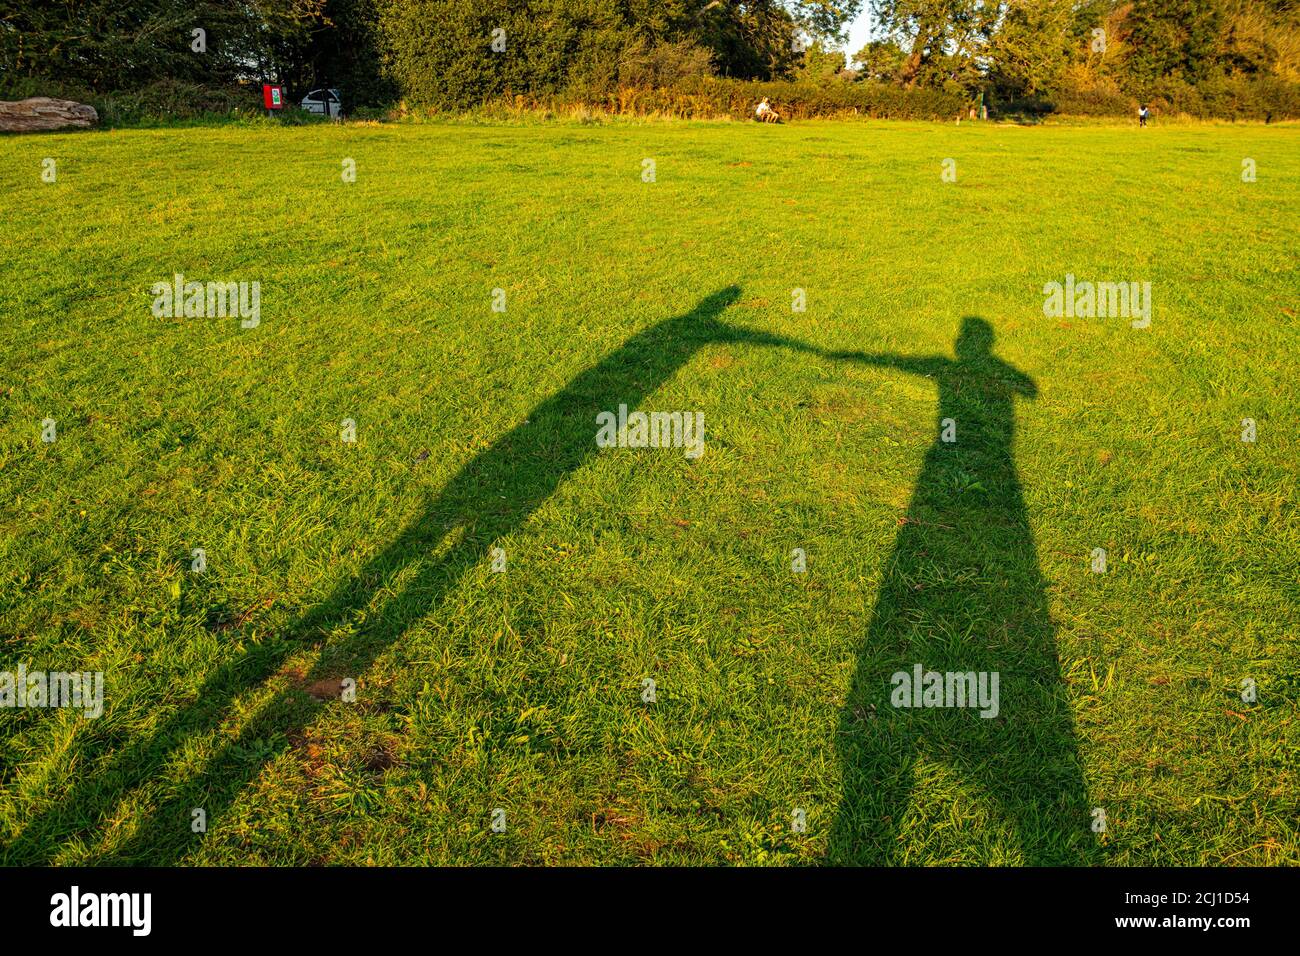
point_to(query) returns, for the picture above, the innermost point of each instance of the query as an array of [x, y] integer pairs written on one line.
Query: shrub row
[[1230, 98], [710, 97], [1222, 98], [1236, 98]]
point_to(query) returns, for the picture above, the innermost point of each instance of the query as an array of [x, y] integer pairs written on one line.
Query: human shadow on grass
[[495, 493], [487, 500], [962, 592]]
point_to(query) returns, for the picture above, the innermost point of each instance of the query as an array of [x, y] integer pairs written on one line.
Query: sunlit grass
[[523, 690]]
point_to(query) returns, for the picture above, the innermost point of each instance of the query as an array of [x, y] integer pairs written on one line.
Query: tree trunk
[[912, 65]]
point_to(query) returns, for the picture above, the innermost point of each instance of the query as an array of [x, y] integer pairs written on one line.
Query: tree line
[[454, 54]]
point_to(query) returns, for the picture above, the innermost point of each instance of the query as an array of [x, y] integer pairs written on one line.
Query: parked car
[[324, 102]]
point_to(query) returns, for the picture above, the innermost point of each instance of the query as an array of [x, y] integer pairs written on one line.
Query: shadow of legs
[[962, 594], [490, 498]]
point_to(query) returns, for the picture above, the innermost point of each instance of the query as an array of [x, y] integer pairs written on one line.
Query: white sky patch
[[859, 34]]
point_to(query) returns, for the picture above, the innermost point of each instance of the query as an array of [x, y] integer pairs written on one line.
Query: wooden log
[[42, 112]]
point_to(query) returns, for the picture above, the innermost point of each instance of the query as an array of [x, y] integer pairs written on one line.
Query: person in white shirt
[[765, 114]]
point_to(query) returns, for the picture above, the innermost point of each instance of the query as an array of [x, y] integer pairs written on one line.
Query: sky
[[859, 33]]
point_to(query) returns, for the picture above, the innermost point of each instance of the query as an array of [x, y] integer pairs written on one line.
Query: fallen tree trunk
[[42, 112]]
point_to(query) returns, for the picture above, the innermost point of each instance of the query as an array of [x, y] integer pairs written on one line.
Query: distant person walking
[[1143, 113]]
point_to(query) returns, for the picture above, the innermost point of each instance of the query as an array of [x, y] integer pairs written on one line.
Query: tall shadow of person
[[965, 543], [962, 592], [489, 498]]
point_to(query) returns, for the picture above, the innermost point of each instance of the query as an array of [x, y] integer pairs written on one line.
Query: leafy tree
[[1172, 39], [106, 45], [1032, 46], [947, 37], [753, 40], [340, 49], [880, 60], [825, 19], [440, 52], [820, 64]]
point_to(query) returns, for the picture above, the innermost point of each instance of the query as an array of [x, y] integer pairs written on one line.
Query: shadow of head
[[975, 340]]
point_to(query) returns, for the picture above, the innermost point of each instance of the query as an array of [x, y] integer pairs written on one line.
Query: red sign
[[273, 96]]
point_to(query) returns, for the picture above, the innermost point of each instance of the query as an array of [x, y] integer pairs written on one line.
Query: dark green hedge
[[439, 53]]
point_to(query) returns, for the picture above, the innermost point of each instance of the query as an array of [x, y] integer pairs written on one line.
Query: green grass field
[[475, 429]]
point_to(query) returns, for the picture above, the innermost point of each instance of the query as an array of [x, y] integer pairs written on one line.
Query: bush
[[547, 47], [169, 100], [1090, 102], [873, 100], [1229, 98], [713, 97]]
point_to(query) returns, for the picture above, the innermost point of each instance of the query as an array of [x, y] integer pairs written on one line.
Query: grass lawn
[[524, 690]]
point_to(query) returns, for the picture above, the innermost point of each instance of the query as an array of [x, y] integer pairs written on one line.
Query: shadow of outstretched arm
[[927, 365], [488, 499]]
